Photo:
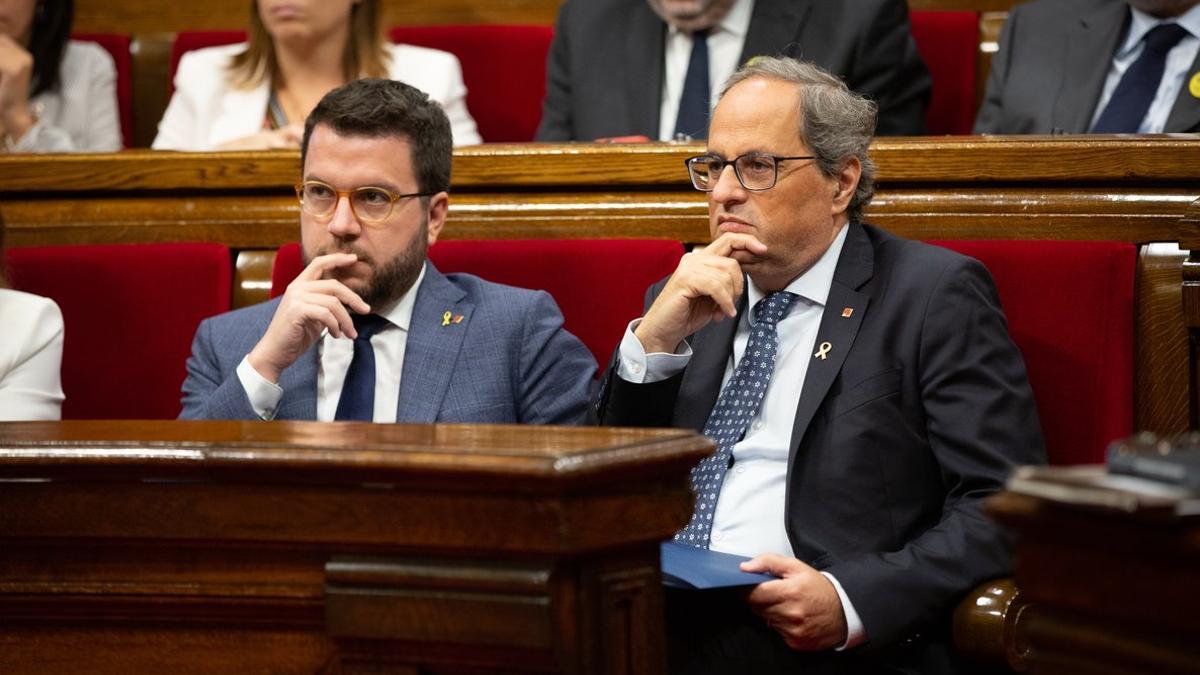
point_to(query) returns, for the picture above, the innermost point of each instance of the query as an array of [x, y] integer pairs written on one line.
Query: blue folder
[[699, 568]]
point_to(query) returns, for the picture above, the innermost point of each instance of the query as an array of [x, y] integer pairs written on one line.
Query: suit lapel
[[1091, 42], [775, 22], [1185, 115], [299, 382], [644, 47], [432, 349], [836, 333], [701, 384]]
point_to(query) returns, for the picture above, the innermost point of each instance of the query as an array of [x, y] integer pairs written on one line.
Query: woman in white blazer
[[31, 346], [56, 95], [256, 95]]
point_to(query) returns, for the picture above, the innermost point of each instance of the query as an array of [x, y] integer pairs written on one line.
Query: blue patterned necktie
[[692, 119], [357, 401], [1135, 92], [739, 402]]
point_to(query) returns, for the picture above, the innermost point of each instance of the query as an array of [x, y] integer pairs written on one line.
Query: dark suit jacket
[[508, 361], [1050, 70], [605, 68], [917, 414]]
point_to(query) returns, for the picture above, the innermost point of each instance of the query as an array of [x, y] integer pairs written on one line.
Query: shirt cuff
[[856, 633], [638, 367], [263, 395]]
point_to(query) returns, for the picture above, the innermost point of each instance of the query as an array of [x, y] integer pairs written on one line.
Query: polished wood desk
[[229, 547], [1103, 591]]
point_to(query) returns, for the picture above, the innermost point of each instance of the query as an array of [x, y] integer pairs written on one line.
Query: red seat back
[[599, 284], [504, 68], [130, 312], [1070, 310], [118, 47], [948, 42]]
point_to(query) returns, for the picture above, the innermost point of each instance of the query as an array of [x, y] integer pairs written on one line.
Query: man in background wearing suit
[[862, 390], [370, 330], [1096, 66], [647, 67]]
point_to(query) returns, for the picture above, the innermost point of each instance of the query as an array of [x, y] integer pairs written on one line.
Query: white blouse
[[81, 114], [31, 345]]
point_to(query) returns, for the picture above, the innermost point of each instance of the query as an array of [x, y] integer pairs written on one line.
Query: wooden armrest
[[986, 626]]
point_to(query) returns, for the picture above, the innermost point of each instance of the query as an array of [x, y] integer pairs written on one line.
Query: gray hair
[[835, 122]]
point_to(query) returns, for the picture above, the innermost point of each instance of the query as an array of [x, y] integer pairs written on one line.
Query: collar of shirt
[[1142, 23], [814, 284], [736, 21]]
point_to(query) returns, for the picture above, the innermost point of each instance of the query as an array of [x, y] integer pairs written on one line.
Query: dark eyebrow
[[384, 185]]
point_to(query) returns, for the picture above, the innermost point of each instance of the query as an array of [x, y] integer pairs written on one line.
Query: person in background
[[31, 346], [255, 95], [650, 67], [1096, 66], [56, 94]]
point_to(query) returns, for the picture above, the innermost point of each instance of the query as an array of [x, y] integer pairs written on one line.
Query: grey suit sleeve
[[888, 69], [208, 392], [556, 124], [980, 422], [556, 370], [990, 118]]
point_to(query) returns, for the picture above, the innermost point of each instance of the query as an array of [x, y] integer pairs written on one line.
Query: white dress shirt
[[725, 43], [1175, 71], [749, 517], [31, 347], [81, 115], [334, 357]]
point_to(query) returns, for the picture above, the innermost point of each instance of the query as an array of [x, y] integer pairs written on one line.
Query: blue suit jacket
[[508, 361]]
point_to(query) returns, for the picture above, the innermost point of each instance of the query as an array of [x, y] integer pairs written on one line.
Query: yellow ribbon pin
[[1194, 86], [823, 352], [446, 319]]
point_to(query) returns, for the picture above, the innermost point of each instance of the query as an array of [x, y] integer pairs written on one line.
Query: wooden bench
[[1137, 192]]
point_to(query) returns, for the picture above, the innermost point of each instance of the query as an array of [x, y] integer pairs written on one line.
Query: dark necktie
[[693, 103], [1134, 93], [357, 401], [739, 402]]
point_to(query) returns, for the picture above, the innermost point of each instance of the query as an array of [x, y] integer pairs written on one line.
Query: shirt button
[[717, 536], [635, 367], [740, 469], [758, 425]]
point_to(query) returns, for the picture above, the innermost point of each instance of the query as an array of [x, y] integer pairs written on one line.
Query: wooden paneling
[[231, 547]]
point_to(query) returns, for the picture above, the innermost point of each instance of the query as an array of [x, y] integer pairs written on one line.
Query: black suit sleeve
[[888, 69], [979, 421], [990, 118], [556, 124]]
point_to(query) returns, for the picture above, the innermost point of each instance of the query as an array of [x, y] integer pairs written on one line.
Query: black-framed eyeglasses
[[371, 205], [754, 170]]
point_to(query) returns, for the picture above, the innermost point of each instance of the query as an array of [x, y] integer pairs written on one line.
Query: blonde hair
[[365, 55]]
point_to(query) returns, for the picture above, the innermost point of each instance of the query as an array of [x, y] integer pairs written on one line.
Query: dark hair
[[48, 37], [382, 108]]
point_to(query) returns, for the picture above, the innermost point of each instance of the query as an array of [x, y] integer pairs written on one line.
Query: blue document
[[690, 567]]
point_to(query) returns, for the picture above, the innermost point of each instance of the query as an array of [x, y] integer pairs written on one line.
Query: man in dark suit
[[370, 330], [1099, 66], [862, 389], [621, 67]]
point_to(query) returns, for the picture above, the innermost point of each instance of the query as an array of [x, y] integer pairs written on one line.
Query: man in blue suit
[[370, 330]]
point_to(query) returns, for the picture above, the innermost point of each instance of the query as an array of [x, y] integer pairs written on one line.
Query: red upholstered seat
[[599, 284], [947, 42], [118, 47], [1070, 310], [504, 68], [130, 311]]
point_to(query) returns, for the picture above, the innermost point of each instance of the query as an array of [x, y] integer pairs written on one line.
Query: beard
[[691, 15], [389, 280], [1163, 8]]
